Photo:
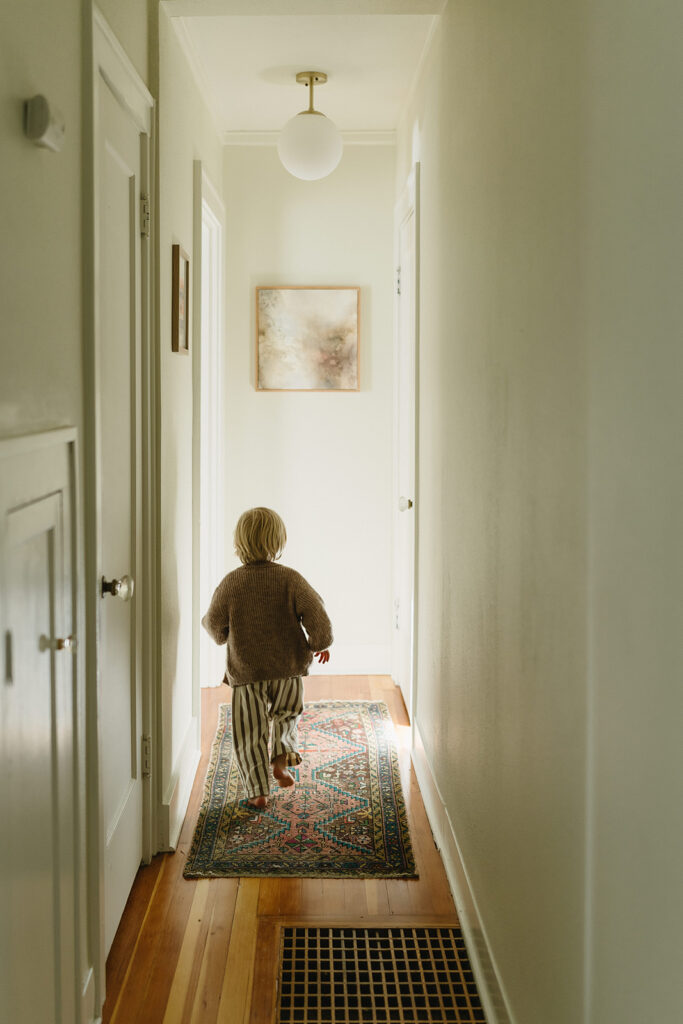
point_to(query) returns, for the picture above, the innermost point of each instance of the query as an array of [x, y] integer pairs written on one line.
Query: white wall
[[322, 460], [40, 282], [633, 260], [550, 652], [186, 134], [501, 702]]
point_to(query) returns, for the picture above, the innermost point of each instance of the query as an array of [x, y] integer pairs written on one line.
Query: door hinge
[[146, 756], [398, 280], [144, 216], [9, 670]]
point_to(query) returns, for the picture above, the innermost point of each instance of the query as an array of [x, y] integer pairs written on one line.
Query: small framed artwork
[[180, 311], [307, 338]]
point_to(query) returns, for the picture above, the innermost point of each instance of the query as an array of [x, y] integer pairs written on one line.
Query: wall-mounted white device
[[43, 123]]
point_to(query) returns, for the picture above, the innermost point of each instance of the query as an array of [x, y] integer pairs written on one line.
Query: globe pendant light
[[310, 146]]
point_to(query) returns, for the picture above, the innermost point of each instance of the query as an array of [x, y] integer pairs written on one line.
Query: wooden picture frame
[[308, 338], [180, 303]]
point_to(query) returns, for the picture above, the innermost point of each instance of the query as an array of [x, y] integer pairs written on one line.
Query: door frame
[[106, 64], [409, 202], [204, 193]]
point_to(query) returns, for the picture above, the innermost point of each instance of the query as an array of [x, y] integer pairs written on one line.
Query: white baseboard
[[177, 795], [487, 977], [363, 660]]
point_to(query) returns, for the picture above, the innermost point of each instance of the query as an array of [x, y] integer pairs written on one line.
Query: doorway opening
[[405, 420]]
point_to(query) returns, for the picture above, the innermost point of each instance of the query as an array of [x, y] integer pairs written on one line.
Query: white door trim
[[115, 67], [408, 203], [110, 67], [205, 195], [26, 443]]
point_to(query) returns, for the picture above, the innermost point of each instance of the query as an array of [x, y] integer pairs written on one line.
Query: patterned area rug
[[345, 817]]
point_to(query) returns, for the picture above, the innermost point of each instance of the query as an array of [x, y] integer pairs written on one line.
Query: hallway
[[202, 952], [548, 656]]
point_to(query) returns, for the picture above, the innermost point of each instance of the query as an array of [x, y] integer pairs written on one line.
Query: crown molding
[[363, 138]]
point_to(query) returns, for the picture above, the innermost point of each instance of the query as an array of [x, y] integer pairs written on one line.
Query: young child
[[259, 609]]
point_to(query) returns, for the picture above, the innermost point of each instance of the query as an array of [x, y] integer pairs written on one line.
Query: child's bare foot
[[280, 773], [258, 801]]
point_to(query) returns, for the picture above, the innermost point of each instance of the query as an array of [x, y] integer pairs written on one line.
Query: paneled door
[[118, 376], [39, 844]]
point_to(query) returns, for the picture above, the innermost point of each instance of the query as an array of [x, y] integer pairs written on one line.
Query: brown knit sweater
[[259, 609]]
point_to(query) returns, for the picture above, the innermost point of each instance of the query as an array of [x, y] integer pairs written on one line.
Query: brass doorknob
[[123, 588], [59, 643]]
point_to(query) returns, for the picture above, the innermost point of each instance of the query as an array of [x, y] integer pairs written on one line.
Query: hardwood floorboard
[[333, 896], [376, 897], [205, 951], [265, 972], [312, 898], [355, 899], [239, 969], [123, 948], [215, 953], [168, 942], [134, 992], [290, 896], [269, 897], [181, 994]]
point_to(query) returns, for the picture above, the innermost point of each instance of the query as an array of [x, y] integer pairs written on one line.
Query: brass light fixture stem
[[310, 78]]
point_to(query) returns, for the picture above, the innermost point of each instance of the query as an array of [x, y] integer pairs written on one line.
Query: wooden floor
[[204, 951]]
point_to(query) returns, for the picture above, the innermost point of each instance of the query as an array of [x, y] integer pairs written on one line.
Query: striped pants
[[255, 707]]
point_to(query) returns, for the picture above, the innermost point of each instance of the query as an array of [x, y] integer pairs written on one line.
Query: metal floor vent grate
[[379, 975]]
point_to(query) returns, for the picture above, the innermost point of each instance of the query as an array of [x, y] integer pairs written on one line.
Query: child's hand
[[322, 656]]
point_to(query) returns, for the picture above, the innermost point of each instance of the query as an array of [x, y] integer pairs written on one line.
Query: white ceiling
[[246, 64]]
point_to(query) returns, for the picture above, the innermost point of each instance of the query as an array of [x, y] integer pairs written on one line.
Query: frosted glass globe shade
[[310, 146]]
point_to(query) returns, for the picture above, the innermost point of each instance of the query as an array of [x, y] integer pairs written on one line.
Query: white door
[[404, 595], [38, 844], [118, 362]]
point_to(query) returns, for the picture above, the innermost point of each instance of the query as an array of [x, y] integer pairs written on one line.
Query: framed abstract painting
[[307, 338]]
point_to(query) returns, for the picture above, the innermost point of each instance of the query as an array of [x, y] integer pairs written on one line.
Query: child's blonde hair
[[260, 536]]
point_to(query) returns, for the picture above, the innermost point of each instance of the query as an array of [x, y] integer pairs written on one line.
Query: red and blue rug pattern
[[344, 818]]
